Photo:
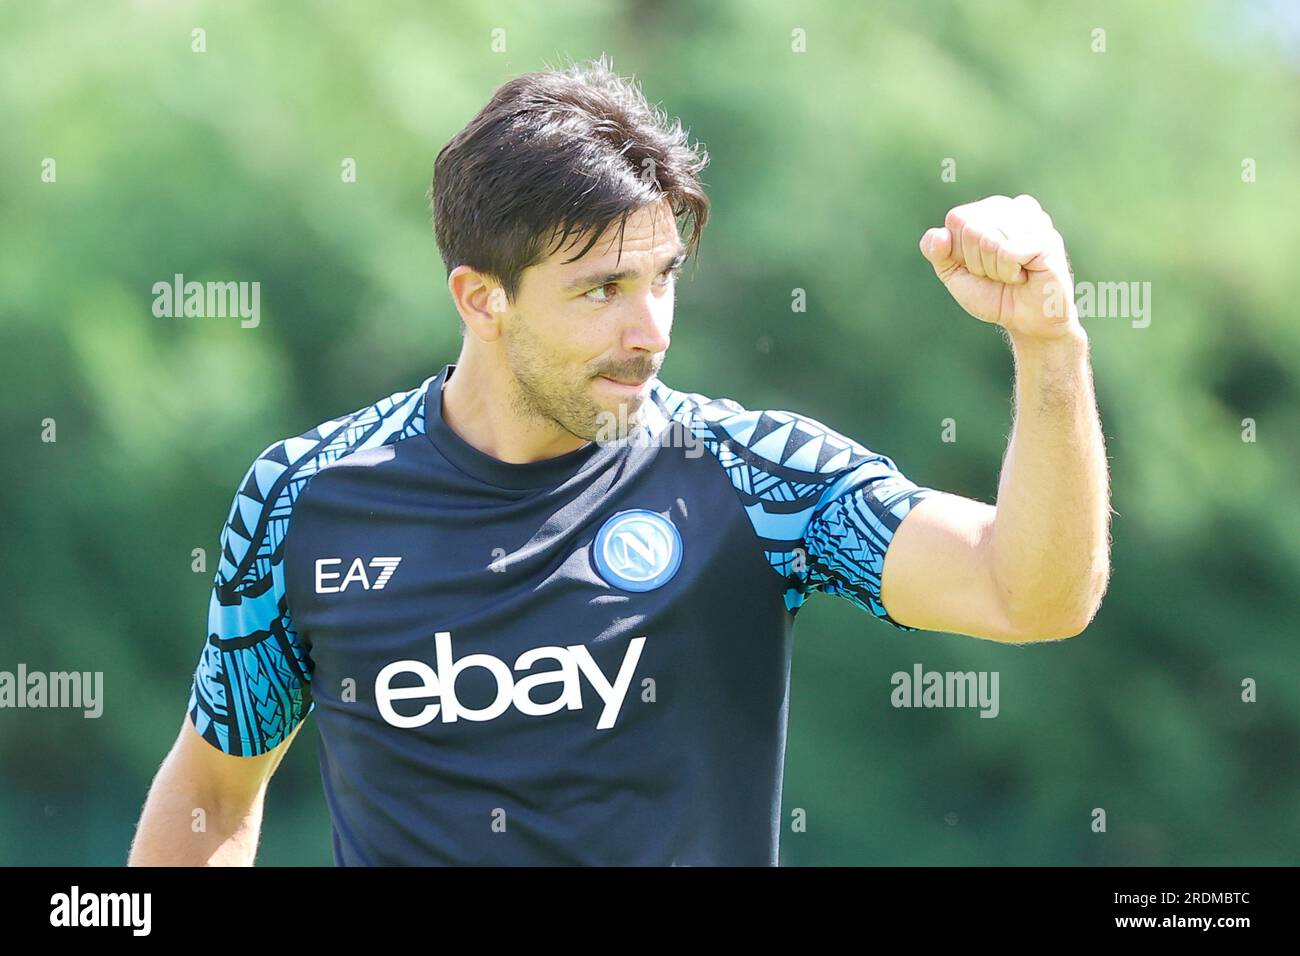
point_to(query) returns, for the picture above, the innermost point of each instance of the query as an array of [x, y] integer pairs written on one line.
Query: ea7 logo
[[356, 572]]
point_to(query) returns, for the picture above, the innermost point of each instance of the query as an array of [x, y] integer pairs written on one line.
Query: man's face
[[605, 314]]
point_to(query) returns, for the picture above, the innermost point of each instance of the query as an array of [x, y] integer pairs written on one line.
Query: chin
[[616, 419]]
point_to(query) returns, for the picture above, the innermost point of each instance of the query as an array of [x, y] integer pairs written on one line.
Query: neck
[[476, 406]]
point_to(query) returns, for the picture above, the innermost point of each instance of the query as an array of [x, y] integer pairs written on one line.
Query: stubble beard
[[539, 394]]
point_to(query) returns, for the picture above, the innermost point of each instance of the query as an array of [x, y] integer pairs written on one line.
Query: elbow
[[1051, 632], [1090, 602], [1046, 631], [1029, 615], [1058, 625]]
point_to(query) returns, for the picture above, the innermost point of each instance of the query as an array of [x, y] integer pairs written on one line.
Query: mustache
[[637, 372]]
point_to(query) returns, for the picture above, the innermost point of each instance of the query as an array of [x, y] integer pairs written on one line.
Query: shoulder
[[823, 506], [260, 512], [776, 440]]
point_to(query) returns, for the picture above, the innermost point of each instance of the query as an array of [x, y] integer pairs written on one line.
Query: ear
[[479, 299]]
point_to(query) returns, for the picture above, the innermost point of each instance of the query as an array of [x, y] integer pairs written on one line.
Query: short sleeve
[[823, 507], [252, 683], [850, 529]]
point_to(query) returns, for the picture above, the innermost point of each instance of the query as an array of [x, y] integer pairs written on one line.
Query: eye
[[670, 273], [602, 288], [666, 277]]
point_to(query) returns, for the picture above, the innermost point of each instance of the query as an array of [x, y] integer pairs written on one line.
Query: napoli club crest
[[637, 550]]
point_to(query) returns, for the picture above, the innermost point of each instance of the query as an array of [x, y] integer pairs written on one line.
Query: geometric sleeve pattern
[[823, 506], [252, 685]]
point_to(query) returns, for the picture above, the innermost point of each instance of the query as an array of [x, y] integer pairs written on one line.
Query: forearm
[[172, 833], [1050, 542]]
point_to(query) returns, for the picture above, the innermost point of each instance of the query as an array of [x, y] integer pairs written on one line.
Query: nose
[[647, 329]]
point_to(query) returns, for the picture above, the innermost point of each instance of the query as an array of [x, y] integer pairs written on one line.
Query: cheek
[[575, 339], [584, 344], [549, 334], [564, 349]]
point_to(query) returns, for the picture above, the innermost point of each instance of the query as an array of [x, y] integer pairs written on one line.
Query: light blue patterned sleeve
[[823, 506], [252, 683], [849, 532]]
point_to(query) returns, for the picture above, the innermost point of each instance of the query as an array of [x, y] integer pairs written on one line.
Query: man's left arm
[[1034, 567]]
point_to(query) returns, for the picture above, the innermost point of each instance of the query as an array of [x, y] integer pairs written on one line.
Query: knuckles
[[986, 224]]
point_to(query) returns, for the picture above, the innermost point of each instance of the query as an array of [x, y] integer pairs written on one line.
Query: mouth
[[626, 385]]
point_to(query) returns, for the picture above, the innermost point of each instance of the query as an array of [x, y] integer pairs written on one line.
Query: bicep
[[938, 574]]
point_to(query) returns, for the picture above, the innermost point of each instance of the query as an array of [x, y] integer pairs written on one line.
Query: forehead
[[649, 232]]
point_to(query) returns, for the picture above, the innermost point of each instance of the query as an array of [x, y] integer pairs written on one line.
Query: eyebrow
[[593, 279]]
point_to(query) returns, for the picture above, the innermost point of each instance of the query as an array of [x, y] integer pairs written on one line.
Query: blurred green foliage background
[[825, 171]]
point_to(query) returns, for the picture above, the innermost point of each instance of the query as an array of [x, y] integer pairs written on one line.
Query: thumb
[[936, 245]]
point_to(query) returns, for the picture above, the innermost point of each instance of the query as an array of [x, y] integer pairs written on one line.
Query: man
[[542, 604]]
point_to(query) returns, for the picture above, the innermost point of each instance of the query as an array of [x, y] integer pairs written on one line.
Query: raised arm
[[1034, 567]]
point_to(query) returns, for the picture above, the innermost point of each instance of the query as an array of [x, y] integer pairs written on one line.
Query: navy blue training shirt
[[582, 660]]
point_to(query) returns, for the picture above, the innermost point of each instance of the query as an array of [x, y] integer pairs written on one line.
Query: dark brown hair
[[554, 153]]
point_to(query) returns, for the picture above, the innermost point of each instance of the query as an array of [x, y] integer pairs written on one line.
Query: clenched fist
[[1004, 262]]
